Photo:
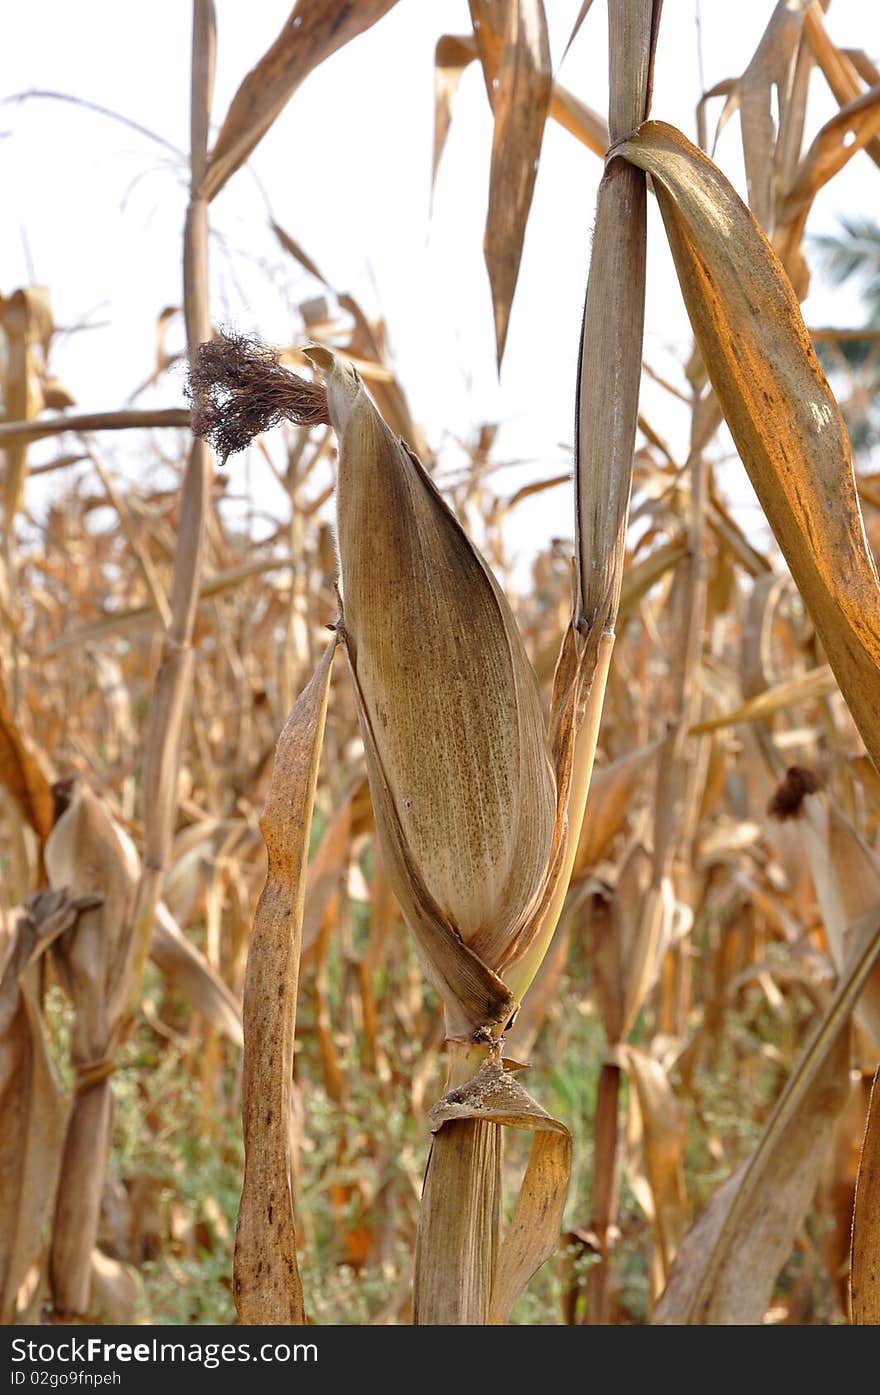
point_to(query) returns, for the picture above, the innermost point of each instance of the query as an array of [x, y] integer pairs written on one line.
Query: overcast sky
[[95, 211]]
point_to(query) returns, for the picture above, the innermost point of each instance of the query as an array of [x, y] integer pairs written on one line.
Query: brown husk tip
[[239, 389], [798, 782]]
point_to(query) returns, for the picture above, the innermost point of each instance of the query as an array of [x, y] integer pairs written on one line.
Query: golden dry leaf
[[777, 403], [314, 30], [22, 774], [460, 775], [267, 1284], [521, 104], [631, 929], [817, 683], [492, 1097], [729, 1260], [865, 1265]]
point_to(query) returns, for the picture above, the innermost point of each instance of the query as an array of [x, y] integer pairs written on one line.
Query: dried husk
[[457, 756]]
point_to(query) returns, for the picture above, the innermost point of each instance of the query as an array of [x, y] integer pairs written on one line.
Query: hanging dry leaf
[[267, 1284], [313, 31], [777, 403], [522, 101]]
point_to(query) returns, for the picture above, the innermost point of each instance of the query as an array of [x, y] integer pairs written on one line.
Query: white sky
[[96, 212]]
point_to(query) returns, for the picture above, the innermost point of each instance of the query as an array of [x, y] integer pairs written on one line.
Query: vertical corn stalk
[[477, 807], [174, 680], [607, 412]]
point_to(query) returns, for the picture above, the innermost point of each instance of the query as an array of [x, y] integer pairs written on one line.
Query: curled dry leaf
[[851, 130], [492, 1097], [87, 853], [841, 68], [780, 410], [267, 1284]]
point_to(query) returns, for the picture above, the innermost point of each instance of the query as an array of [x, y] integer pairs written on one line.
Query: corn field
[[390, 936]]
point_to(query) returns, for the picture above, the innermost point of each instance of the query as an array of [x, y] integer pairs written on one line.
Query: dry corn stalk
[[472, 836], [478, 809]]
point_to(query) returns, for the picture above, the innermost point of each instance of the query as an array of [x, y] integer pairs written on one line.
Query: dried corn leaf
[[582, 14], [455, 52], [494, 1097], [729, 1260], [817, 683], [865, 1269], [771, 66], [780, 410], [313, 31], [267, 1285], [522, 101]]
